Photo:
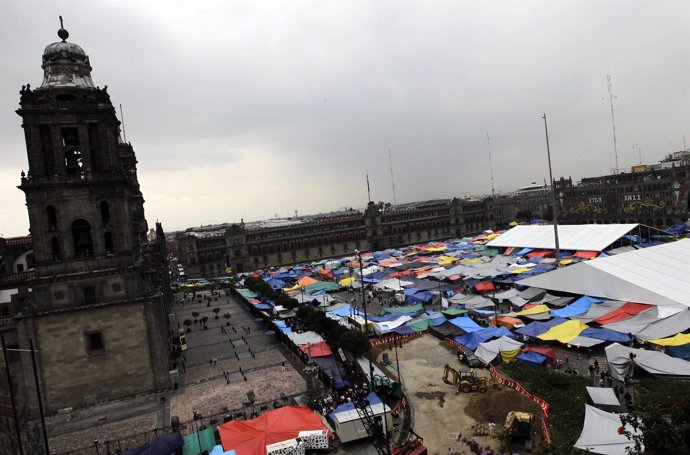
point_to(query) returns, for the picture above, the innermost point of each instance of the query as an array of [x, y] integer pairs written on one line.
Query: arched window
[[81, 235], [105, 213], [51, 214]]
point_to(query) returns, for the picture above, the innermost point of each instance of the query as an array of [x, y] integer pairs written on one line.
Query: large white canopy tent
[[575, 237], [600, 433], [658, 275], [654, 362]]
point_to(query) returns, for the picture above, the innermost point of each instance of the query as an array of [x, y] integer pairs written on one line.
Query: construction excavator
[[518, 430], [465, 381]]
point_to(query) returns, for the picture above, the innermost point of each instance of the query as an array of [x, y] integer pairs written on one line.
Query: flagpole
[[553, 196]]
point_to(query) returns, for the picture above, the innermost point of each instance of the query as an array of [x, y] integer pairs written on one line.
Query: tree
[[216, 310], [354, 341], [662, 430]]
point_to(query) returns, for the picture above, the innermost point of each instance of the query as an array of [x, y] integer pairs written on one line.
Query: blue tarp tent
[[472, 340], [218, 450], [330, 367], [420, 297], [579, 306], [602, 333], [536, 328], [345, 311], [532, 357], [275, 283], [681, 352], [162, 445], [466, 324], [349, 406], [436, 318]]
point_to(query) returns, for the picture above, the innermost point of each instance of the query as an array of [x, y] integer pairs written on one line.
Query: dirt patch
[[441, 396], [493, 406]]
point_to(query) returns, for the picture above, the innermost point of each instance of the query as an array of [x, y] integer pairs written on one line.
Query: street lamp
[[364, 309], [553, 196]]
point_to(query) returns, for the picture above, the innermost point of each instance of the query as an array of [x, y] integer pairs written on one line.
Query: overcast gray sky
[[247, 109]]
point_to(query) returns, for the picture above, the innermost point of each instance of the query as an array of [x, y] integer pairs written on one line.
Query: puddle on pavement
[[441, 396]]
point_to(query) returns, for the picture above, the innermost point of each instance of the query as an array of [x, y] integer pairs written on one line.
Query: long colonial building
[[656, 195]]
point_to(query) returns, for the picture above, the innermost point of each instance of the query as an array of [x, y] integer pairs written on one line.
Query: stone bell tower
[[97, 314]]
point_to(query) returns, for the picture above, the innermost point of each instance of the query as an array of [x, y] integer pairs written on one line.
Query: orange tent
[[250, 437], [506, 321], [306, 281]]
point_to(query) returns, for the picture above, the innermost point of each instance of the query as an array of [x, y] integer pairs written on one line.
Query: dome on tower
[[66, 65]]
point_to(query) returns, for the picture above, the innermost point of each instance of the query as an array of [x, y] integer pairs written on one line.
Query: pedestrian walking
[[282, 366]]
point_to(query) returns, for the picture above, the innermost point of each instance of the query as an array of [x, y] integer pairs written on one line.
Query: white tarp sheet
[[576, 237], [658, 275], [471, 302], [488, 351], [597, 310], [603, 396], [300, 339], [381, 328], [654, 362], [600, 433]]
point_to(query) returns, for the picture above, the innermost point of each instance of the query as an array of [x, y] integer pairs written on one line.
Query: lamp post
[[553, 196], [366, 322]]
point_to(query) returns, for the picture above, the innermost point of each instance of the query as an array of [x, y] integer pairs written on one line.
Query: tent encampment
[[654, 362]]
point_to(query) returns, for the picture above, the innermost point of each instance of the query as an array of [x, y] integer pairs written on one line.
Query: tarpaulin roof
[[218, 450], [320, 349], [331, 368], [506, 321], [600, 433], [656, 275], [536, 328], [250, 437], [603, 396], [488, 351], [588, 237], [564, 332], [403, 309], [532, 357], [605, 334], [678, 339], [580, 306], [598, 310], [471, 301], [347, 412], [537, 309], [673, 324], [624, 312], [548, 352], [585, 342], [654, 362], [472, 340], [466, 324]]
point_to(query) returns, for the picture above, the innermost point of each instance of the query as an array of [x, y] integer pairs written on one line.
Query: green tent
[[326, 286], [453, 312], [247, 294]]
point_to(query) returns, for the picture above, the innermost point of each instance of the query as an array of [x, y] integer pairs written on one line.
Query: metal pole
[[397, 363], [9, 387], [38, 394], [366, 322], [553, 196]]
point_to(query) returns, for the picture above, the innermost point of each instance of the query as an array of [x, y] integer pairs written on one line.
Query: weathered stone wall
[[72, 376]]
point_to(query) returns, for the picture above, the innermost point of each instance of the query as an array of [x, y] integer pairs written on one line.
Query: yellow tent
[[347, 281], [492, 236], [565, 261], [675, 340], [534, 310], [520, 270], [510, 356], [472, 261], [564, 332]]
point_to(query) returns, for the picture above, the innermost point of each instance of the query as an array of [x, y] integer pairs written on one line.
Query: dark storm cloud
[[249, 109]]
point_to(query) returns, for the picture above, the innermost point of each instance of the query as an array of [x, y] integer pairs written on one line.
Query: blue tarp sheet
[[472, 340], [345, 311], [532, 357], [681, 352], [579, 306], [420, 297], [466, 324], [536, 328], [373, 399], [602, 333], [330, 366]]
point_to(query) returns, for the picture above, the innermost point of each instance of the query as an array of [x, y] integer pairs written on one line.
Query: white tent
[[600, 433], [597, 310], [471, 301], [300, 339], [488, 351], [654, 362], [603, 396], [658, 275], [582, 237]]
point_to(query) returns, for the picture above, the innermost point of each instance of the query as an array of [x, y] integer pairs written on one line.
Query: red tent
[[586, 254], [484, 286], [319, 349], [548, 352], [628, 310], [250, 437]]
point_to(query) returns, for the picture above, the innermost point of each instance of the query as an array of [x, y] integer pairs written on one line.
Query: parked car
[[467, 357]]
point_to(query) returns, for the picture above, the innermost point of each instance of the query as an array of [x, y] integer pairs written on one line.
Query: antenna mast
[[491, 166], [613, 122], [122, 116], [390, 160]]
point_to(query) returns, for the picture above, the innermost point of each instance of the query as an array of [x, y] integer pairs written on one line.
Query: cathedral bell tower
[[96, 317]]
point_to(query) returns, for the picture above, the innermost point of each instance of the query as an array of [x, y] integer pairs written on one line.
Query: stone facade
[[97, 302]]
